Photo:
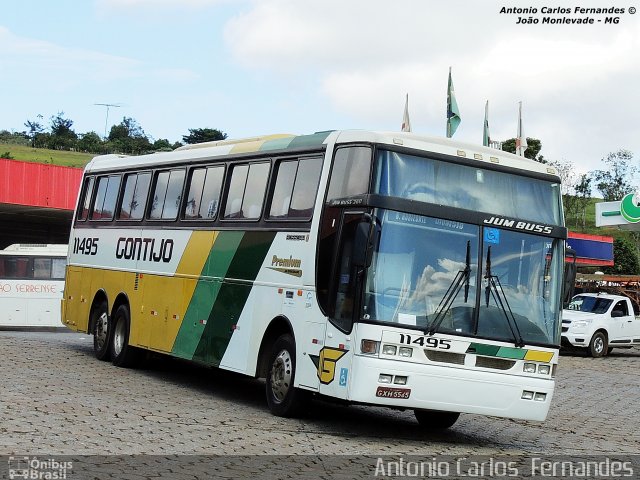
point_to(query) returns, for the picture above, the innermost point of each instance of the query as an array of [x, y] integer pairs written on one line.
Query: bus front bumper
[[447, 388]]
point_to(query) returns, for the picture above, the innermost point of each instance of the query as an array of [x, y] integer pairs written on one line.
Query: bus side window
[[58, 268], [204, 193], [42, 268], [295, 188], [254, 191], [83, 206], [134, 197], [105, 201], [246, 191], [167, 194], [350, 173]]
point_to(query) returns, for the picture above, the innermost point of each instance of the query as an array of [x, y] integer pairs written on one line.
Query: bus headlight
[[544, 369], [400, 380], [529, 368], [389, 349], [406, 352]]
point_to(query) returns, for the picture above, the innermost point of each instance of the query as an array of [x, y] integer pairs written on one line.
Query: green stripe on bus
[[277, 144], [497, 351], [313, 140], [513, 353], [206, 293], [232, 297], [480, 349]]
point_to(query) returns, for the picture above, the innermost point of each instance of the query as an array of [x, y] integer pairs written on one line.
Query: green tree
[[533, 148], [90, 142], [35, 128], [162, 144], [625, 257], [128, 137], [62, 136], [583, 197], [199, 135], [616, 180], [18, 138]]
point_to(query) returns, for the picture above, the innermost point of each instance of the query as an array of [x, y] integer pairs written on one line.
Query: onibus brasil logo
[[629, 208]]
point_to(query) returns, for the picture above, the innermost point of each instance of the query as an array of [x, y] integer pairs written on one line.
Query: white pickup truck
[[599, 322]]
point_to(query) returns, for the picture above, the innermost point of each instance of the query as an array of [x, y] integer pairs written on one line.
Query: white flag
[[406, 123]]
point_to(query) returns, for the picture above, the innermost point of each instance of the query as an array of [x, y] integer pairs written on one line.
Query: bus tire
[[435, 419], [101, 328], [598, 345], [123, 354], [283, 398]]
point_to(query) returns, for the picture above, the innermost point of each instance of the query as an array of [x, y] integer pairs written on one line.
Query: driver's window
[[621, 307], [346, 275]]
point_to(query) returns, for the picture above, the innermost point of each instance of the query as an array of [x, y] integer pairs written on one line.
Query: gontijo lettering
[[145, 249]]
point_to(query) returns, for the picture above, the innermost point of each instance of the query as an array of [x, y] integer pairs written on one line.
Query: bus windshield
[[433, 181], [425, 273]]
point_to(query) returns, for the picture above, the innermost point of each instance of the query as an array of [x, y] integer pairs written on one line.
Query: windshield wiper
[[451, 293], [494, 289]]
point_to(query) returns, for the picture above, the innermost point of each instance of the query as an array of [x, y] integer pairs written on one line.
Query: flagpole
[[521, 140]]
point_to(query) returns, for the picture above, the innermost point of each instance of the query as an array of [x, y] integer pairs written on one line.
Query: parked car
[[600, 322]]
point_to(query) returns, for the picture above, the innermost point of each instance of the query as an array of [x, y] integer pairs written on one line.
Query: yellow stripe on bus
[[538, 356], [181, 287], [196, 253]]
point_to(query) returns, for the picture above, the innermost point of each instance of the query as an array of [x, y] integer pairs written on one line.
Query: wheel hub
[[118, 338], [101, 329], [281, 376]]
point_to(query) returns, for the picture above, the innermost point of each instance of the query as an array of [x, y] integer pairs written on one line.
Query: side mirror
[[617, 314]]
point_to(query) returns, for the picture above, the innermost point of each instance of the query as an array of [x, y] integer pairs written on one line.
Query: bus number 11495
[[428, 342]]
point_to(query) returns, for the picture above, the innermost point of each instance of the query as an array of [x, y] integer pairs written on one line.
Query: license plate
[[388, 392]]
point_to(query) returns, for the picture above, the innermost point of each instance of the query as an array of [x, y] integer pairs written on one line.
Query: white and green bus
[[376, 268]]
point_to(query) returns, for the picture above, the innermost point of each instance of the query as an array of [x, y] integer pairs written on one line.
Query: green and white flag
[[453, 114]]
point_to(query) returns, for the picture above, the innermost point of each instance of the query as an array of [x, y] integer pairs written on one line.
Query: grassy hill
[[43, 155]]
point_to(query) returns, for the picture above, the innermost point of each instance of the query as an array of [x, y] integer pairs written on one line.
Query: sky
[[299, 66]]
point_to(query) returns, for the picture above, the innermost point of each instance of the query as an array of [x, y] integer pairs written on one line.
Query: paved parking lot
[[57, 399]]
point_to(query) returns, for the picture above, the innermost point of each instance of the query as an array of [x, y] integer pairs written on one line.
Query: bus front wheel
[[283, 398], [102, 331], [123, 354], [435, 420]]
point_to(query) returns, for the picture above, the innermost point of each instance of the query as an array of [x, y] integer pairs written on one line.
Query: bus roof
[[36, 249], [284, 142]]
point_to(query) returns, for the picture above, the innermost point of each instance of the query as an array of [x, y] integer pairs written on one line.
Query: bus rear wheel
[[102, 331], [435, 419], [283, 398], [123, 354]]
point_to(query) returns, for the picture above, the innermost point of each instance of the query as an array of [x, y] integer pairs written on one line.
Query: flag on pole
[[521, 140], [453, 114], [406, 123], [486, 138]]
